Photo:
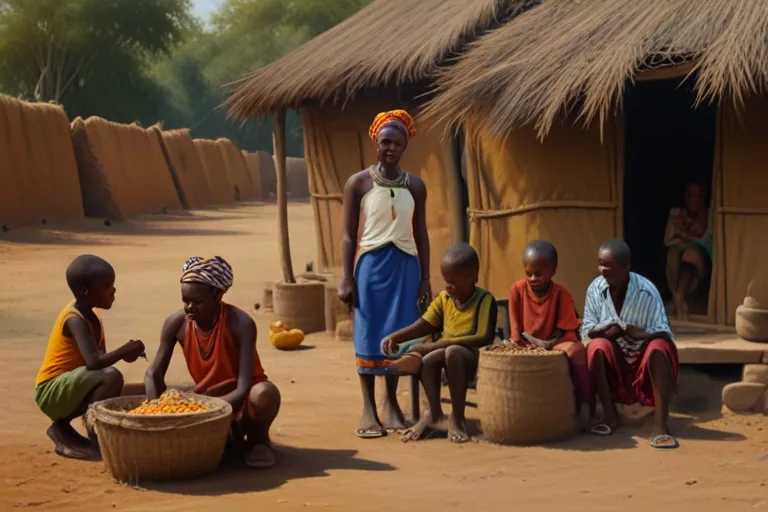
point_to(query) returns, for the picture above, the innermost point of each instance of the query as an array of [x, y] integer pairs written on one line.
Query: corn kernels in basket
[[170, 402]]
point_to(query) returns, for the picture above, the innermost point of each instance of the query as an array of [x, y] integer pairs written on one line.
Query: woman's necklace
[[205, 352], [401, 181]]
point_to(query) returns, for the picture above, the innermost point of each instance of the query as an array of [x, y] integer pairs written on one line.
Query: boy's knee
[[113, 377]]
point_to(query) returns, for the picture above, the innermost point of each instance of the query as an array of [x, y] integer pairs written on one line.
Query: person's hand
[[134, 349], [613, 331], [425, 295], [348, 291], [389, 346]]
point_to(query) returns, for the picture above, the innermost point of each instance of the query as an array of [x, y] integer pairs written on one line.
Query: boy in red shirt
[[541, 313]]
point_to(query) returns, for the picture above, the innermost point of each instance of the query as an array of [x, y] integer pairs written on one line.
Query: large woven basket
[[160, 447], [525, 398]]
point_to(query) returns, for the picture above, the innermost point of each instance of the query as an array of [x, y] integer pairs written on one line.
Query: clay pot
[[752, 323]]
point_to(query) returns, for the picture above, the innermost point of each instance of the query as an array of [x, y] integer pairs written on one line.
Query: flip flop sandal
[[656, 442], [260, 457], [601, 430], [370, 433]]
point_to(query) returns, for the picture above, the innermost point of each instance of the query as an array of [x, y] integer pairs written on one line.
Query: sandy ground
[[723, 462]]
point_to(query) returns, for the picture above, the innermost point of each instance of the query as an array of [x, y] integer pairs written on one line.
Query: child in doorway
[[466, 317], [542, 313], [77, 370]]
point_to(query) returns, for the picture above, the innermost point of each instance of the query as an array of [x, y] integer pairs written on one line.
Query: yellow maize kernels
[[170, 402]]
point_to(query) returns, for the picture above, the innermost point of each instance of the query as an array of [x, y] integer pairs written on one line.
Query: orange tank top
[[63, 354], [213, 359]]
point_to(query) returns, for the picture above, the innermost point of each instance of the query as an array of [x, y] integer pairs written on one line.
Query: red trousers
[[631, 382]]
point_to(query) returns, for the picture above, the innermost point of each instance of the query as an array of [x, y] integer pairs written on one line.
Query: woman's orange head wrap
[[398, 118]]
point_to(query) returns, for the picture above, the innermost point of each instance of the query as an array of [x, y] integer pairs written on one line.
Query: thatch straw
[[567, 54], [388, 42]]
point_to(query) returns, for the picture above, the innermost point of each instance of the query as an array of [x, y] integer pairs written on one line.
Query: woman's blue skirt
[[388, 283]]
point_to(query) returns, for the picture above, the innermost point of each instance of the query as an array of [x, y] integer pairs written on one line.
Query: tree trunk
[[282, 197]]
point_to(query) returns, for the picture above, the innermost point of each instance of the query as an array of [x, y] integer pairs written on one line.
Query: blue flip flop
[[656, 442]]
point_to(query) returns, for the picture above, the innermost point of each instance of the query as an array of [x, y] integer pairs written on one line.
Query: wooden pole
[[278, 142], [452, 154]]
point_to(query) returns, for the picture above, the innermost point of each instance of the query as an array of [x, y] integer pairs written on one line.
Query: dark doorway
[[668, 144]]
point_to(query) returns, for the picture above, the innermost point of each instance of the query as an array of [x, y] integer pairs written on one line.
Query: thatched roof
[[388, 42], [568, 54]]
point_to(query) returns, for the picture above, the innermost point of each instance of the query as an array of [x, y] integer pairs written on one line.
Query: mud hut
[[584, 123], [348, 76]]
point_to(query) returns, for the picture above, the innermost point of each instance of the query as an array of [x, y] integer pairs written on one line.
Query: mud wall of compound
[[237, 171], [123, 169], [38, 174]]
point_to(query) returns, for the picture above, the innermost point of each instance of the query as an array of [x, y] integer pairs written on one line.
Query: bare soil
[[722, 464]]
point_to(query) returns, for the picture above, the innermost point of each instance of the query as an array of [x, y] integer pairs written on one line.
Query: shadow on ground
[[293, 464]]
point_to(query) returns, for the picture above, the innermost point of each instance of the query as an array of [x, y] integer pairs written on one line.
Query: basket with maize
[[178, 436], [525, 395]]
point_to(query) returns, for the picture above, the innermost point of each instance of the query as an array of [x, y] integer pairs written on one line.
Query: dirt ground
[[723, 461]]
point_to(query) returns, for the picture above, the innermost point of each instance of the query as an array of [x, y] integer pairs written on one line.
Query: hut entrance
[[669, 156]]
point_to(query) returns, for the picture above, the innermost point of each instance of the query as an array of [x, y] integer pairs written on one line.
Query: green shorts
[[60, 396]]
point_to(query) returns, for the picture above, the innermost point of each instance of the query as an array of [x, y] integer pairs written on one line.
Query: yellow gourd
[[276, 327], [287, 340]]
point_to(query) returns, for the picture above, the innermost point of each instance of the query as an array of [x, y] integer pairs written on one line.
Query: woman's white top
[[379, 228]]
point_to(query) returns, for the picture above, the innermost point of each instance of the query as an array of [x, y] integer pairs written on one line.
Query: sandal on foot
[[260, 457], [601, 430], [370, 433], [665, 442]]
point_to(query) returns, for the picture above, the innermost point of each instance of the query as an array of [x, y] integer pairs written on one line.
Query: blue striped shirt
[[642, 308]]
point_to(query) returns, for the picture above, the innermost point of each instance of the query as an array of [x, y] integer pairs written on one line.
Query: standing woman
[[392, 273]]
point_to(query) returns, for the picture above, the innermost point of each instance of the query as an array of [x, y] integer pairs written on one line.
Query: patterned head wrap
[[400, 119], [215, 272]]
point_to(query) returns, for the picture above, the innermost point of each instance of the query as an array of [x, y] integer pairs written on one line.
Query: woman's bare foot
[[424, 429], [393, 418], [457, 431], [68, 443]]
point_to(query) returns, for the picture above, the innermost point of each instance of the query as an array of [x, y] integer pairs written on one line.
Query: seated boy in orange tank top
[[77, 369], [542, 313], [219, 345]]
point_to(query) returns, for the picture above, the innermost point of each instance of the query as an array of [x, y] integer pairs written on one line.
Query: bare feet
[[457, 431], [681, 307], [260, 456], [393, 419], [424, 429], [68, 442]]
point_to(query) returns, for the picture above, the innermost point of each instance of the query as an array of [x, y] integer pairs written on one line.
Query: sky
[[204, 8]]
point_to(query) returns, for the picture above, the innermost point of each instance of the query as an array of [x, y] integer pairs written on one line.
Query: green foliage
[[89, 55], [149, 60]]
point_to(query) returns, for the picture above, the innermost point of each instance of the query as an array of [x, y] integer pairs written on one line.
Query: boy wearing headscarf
[[219, 345]]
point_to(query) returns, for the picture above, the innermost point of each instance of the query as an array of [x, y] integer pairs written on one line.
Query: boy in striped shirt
[[630, 345]]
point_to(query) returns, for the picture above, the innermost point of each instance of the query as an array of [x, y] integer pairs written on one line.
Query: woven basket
[[300, 305], [160, 447], [524, 398]]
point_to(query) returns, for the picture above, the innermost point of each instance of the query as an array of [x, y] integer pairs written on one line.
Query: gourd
[[285, 339]]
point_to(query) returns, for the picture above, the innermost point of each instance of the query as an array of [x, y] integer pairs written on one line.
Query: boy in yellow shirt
[[77, 369], [466, 317]]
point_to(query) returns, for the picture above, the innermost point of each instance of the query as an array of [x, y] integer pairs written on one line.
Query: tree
[[89, 55]]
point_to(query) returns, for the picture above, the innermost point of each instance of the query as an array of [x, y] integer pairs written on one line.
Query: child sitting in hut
[[466, 317], [542, 313], [77, 370]]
